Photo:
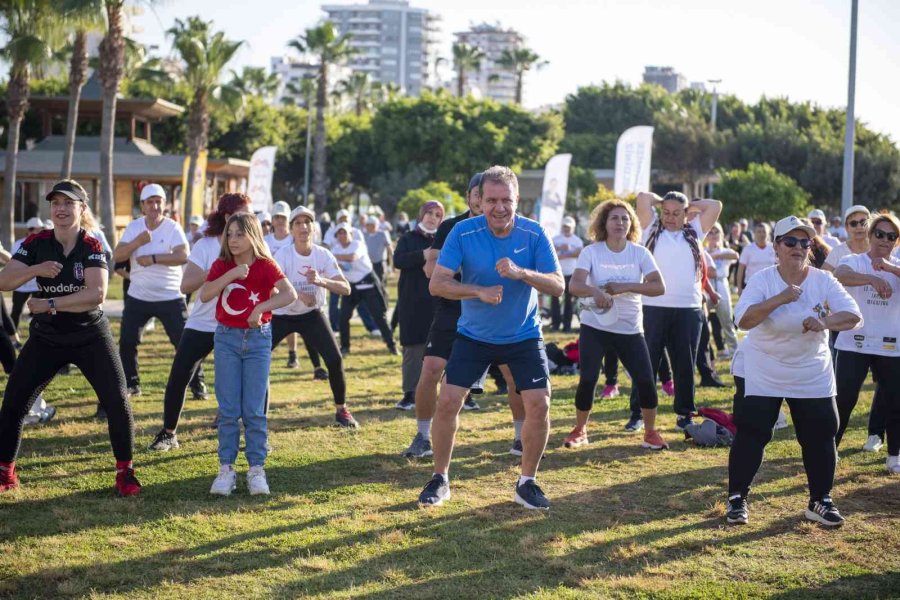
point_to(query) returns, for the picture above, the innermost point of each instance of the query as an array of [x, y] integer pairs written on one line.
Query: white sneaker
[[225, 482], [256, 481], [782, 421], [873, 444], [893, 464]]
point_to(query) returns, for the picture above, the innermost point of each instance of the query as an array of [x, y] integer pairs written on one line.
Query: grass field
[[342, 521]]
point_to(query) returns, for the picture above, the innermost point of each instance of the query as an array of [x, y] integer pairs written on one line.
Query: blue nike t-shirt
[[474, 250]]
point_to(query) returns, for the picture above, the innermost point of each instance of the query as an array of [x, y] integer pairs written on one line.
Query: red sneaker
[[126, 483], [669, 387], [654, 441], [578, 437], [8, 478], [611, 391]]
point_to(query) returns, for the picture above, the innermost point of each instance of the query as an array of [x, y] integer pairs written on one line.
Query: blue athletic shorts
[[527, 361]]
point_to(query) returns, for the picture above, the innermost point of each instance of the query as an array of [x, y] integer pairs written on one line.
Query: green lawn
[[342, 521]]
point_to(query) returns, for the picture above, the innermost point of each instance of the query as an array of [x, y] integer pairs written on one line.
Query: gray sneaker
[[419, 448], [516, 448], [164, 441]]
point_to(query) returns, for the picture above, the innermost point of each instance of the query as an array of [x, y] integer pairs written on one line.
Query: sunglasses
[[885, 235], [859, 223], [791, 242], [816, 221]]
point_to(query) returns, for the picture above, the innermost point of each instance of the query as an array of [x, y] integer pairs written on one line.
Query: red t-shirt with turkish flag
[[239, 297]]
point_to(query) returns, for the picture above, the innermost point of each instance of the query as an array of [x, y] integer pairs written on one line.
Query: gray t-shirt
[[377, 243]]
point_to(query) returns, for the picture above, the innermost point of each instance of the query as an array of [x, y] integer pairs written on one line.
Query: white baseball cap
[[264, 217], [816, 214], [342, 227], [48, 224], [34, 223], [302, 211], [568, 222], [196, 220], [342, 213], [788, 224], [152, 189], [281, 209], [371, 220], [856, 208]]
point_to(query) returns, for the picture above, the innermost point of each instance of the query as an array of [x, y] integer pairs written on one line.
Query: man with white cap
[[568, 247], [817, 219], [157, 248]]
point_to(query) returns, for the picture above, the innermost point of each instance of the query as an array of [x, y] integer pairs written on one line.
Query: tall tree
[[520, 60], [112, 67], [28, 27], [465, 58], [78, 64], [204, 54], [358, 87], [331, 49]]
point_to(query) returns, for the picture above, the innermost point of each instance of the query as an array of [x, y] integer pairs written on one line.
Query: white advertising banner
[[553, 194], [633, 161], [259, 182]]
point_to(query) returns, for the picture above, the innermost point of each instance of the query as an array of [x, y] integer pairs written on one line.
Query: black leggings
[[95, 354], [852, 368], [611, 367], [319, 339], [815, 423], [193, 347], [632, 350], [374, 299]]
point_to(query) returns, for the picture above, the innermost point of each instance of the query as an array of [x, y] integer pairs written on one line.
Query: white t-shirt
[[295, 265], [275, 244], [155, 283], [631, 265], [360, 266], [355, 235], [832, 241], [837, 253], [30, 286], [780, 360], [203, 316], [676, 265], [755, 259], [565, 245], [881, 318]]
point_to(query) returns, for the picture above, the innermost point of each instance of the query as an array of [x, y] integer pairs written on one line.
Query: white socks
[[424, 428], [518, 427]]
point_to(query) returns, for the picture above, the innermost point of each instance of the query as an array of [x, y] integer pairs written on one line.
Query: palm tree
[[465, 58], [255, 81], [384, 92], [331, 49], [357, 86], [28, 28], [518, 61], [204, 54]]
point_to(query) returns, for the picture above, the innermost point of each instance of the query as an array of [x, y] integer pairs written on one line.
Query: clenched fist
[[491, 295]]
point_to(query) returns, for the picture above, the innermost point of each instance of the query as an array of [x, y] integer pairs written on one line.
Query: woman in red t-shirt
[[243, 279]]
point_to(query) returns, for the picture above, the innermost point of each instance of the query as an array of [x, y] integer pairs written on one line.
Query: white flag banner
[[553, 193], [633, 161], [259, 182]]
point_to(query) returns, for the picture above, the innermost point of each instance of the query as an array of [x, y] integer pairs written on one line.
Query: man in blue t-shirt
[[504, 261]]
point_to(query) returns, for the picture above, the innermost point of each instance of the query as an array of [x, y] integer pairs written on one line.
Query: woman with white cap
[[342, 216], [756, 256], [568, 247], [787, 310], [817, 219], [265, 222]]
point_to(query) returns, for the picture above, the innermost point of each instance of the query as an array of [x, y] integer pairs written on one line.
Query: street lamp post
[[308, 146], [712, 122], [850, 127]]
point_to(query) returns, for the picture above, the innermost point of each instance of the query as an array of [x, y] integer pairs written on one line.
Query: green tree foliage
[[760, 193], [437, 190]]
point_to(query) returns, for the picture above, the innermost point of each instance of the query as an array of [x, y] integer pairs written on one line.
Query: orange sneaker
[[654, 441], [8, 478], [577, 438]]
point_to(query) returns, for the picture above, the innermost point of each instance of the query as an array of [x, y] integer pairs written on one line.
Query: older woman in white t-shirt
[[757, 256], [788, 310], [674, 319], [612, 274]]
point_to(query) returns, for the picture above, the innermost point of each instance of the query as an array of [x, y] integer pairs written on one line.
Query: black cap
[[70, 188], [474, 182]]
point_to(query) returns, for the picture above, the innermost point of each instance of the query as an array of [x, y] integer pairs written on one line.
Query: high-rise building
[[292, 71], [492, 80], [666, 77], [394, 41]]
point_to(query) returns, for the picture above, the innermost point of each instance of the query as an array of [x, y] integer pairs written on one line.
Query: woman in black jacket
[[415, 305]]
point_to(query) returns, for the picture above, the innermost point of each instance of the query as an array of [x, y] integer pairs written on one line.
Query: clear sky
[[793, 48]]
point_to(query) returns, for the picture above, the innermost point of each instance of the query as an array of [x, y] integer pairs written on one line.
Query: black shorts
[[527, 361], [440, 342]]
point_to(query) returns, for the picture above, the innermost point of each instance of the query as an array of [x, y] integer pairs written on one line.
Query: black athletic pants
[[593, 345], [172, 314], [705, 354], [94, 352], [193, 347], [18, 303], [852, 368], [815, 423], [7, 335], [319, 340], [611, 367], [565, 320], [368, 290]]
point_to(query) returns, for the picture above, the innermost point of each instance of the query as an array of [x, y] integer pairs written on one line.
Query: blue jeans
[[242, 357]]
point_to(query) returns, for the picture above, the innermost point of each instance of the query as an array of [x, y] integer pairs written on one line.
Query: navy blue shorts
[[527, 361]]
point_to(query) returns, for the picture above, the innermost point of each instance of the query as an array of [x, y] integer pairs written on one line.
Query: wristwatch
[[51, 302]]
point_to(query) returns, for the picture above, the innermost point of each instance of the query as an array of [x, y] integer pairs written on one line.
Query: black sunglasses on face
[[791, 242], [860, 223], [816, 221], [885, 235]]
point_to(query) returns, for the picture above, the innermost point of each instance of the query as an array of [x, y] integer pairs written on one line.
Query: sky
[[797, 49]]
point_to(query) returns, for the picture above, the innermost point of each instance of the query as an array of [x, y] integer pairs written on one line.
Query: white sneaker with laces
[[873, 444], [782, 421], [893, 464], [256, 481], [225, 482]]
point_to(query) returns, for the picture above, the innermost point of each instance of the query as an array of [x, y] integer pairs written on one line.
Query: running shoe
[[345, 351], [530, 495], [634, 424], [292, 362], [100, 414], [577, 437], [225, 482], [320, 374], [470, 404], [781, 422], [199, 391], [726, 353], [434, 494], [653, 440], [374, 333], [9, 480], [825, 512], [893, 464], [419, 448], [502, 388], [126, 483], [134, 390], [611, 391], [669, 387], [873, 444], [711, 382], [408, 402], [516, 448], [164, 441], [256, 481], [393, 350], [683, 421], [215, 422], [344, 419], [737, 513]]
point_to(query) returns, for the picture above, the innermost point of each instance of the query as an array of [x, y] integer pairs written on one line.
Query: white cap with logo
[[816, 213], [281, 209], [788, 224]]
